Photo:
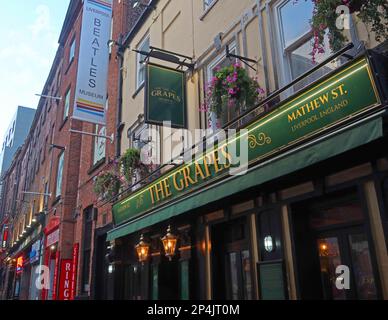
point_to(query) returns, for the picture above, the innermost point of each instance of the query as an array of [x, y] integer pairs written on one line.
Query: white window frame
[[283, 56], [140, 67], [213, 63], [66, 106], [72, 50], [207, 4], [61, 164], [99, 153]]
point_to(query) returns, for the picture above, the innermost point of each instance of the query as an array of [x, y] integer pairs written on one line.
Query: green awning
[[330, 147]]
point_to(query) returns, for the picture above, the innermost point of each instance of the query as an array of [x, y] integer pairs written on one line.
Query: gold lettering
[[176, 186], [159, 191], [217, 168], [187, 178], [227, 156], [167, 188], [152, 195], [324, 98], [198, 171]]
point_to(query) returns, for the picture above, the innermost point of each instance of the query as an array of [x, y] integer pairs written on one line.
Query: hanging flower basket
[[107, 185], [231, 87], [372, 12], [131, 164]]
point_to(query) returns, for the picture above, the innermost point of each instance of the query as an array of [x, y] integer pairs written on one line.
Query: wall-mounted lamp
[[169, 243], [269, 244], [142, 249]]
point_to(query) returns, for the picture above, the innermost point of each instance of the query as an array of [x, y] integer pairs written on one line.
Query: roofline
[[139, 23], [71, 10]]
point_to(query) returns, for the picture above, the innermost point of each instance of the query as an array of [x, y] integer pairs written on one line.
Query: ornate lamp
[[142, 249], [169, 243]]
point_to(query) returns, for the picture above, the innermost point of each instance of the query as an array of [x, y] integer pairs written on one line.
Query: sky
[[29, 33]]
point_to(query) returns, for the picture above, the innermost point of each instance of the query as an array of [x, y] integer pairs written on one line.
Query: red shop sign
[[65, 279], [74, 273]]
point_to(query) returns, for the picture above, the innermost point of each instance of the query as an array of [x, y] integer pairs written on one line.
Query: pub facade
[[311, 209]]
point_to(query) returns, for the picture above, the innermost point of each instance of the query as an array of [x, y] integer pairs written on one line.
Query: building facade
[[15, 135], [124, 211], [313, 196]]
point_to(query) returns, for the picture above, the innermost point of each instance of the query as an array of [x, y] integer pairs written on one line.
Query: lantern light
[[268, 244], [142, 249], [169, 243]]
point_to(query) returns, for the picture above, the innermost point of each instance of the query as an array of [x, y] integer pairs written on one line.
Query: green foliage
[[231, 87], [107, 185], [372, 12], [129, 162]]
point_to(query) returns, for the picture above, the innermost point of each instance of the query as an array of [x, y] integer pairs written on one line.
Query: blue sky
[[29, 32]]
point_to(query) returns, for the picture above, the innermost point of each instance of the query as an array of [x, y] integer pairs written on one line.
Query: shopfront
[[51, 258], [307, 218]]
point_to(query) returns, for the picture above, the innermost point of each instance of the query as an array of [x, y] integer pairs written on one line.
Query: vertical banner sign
[[165, 96], [65, 279], [5, 237], [74, 273], [92, 76], [54, 296]]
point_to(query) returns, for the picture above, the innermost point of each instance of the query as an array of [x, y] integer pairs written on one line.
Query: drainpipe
[[119, 124]]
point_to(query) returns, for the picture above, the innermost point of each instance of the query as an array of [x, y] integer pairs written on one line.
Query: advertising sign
[[74, 273], [35, 252], [91, 89], [4, 237], [165, 96], [65, 279], [330, 102], [52, 238], [19, 264]]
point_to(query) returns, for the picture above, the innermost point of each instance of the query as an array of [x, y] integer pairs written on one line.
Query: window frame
[[72, 49], [283, 49], [59, 180], [212, 64], [139, 83], [66, 109]]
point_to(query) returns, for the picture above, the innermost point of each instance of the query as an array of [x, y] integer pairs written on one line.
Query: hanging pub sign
[[91, 89], [165, 96]]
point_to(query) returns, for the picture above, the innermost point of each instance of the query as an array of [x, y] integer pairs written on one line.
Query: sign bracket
[[110, 138], [168, 56], [242, 59]]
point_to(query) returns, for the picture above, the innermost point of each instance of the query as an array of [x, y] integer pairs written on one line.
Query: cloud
[[42, 22]]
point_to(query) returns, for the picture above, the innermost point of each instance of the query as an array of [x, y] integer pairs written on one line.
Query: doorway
[[334, 256], [232, 263]]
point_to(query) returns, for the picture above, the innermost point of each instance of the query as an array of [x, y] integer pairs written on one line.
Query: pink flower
[[260, 91], [237, 65]]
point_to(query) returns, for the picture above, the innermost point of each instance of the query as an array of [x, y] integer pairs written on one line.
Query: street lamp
[[169, 243]]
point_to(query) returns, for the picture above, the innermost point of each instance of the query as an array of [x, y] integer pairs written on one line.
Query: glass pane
[[233, 276], [362, 267], [247, 279], [295, 19], [339, 214], [330, 259], [301, 60]]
